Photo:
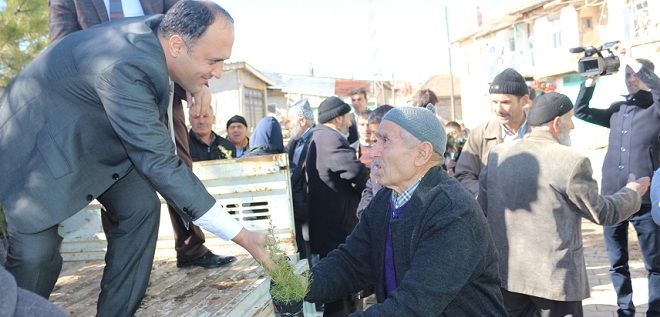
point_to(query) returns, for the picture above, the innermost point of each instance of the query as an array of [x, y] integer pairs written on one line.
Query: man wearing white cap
[[423, 241], [300, 121]]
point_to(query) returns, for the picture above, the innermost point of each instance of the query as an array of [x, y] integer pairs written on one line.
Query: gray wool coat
[[534, 192], [17, 302]]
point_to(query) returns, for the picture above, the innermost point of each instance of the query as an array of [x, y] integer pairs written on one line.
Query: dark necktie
[[116, 11]]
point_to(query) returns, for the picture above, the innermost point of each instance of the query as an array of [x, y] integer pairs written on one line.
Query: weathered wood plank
[[238, 289]]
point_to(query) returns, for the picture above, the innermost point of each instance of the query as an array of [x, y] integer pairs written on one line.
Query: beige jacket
[[534, 192], [475, 152]]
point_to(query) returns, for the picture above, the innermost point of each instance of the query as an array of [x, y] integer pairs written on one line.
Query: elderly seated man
[[423, 241]]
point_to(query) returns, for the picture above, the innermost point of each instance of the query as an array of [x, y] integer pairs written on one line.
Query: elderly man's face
[[345, 122], [392, 157], [565, 127], [202, 122], [237, 132]]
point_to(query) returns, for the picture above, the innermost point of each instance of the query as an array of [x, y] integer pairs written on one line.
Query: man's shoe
[[208, 260]]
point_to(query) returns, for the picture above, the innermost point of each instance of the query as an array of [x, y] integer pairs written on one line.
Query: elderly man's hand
[[641, 185], [199, 101]]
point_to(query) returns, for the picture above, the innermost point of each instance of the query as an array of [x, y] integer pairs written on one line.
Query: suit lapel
[[101, 10]]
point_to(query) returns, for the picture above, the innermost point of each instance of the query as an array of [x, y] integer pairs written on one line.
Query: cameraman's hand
[[620, 49], [641, 185], [623, 51], [590, 81]]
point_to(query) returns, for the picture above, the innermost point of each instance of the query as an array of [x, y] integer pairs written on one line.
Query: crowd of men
[[492, 230]]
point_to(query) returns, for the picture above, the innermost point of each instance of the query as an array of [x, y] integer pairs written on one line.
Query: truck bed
[[237, 289]]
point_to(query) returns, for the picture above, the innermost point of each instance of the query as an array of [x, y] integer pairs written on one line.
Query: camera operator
[[634, 131]]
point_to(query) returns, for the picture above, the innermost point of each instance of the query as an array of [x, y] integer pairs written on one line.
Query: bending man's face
[[194, 66]]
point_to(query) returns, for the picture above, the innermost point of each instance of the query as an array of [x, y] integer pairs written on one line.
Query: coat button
[[89, 197], [115, 176], [185, 209]]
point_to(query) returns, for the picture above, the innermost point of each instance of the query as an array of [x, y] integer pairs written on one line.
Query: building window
[[254, 106], [637, 20], [556, 33]]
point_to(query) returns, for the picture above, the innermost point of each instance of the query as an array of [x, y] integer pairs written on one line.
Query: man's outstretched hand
[[641, 185], [255, 243]]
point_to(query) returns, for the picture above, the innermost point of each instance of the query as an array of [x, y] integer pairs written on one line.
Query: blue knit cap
[[422, 124]]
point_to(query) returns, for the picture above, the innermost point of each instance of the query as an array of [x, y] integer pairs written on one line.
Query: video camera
[[594, 63]]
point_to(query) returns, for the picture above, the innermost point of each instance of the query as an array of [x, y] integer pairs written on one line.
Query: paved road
[[602, 302]]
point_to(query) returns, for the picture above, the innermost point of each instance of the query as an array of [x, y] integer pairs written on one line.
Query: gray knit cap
[[422, 124]]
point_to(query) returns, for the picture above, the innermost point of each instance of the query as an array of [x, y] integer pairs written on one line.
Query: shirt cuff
[[219, 222]]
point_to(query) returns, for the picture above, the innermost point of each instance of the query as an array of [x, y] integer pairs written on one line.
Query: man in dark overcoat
[[423, 241], [336, 179]]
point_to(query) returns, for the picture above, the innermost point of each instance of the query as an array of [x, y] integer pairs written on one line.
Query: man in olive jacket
[[535, 192], [423, 241]]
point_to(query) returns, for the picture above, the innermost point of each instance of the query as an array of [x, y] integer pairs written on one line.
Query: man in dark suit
[[86, 123], [68, 16]]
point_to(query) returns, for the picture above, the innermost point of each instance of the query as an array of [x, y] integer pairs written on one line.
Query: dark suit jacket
[[81, 116], [68, 16], [335, 179]]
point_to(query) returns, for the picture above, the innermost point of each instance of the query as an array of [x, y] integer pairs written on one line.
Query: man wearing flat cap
[[509, 97], [335, 179], [423, 241], [534, 192]]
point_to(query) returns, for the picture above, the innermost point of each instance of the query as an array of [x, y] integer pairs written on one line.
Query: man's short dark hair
[[376, 116], [424, 97], [360, 91], [189, 19], [454, 125]]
